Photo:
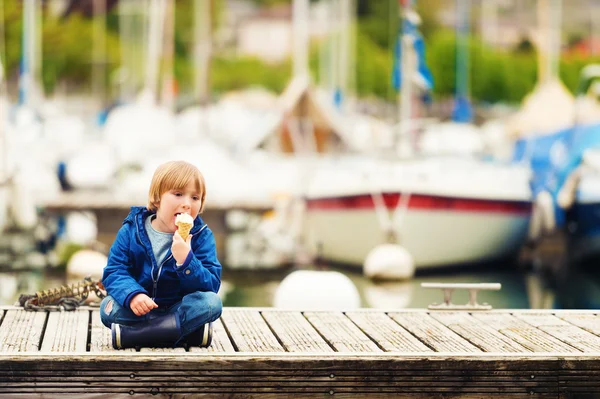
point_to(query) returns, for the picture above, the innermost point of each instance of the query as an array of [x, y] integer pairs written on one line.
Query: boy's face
[[174, 202]]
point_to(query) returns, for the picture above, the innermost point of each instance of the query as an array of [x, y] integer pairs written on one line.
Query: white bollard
[[86, 263]]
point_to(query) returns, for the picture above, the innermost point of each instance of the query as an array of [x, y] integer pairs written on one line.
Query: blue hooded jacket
[[132, 267]]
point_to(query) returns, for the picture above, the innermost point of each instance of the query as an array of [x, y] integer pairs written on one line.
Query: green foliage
[[233, 74], [65, 251], [494, 75], [373, 69]]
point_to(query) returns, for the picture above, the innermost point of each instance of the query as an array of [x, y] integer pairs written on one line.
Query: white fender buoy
[[9, 286], [313, 290], [86, 263], [81, 227], [23, 208], [389, 262]]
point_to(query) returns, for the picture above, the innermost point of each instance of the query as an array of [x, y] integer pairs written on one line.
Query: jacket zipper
[[155, 282], [155, 285]]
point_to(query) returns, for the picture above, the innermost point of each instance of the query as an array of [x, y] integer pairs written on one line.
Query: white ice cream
[[184, 218]]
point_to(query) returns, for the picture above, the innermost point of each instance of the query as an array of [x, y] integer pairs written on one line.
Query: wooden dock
[[268, 352]]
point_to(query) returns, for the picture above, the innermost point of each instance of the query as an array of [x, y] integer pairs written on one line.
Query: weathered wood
[[100, 336], [578, 379], [163, 350], [295, 332], [21, 331], [388, 334], [66, 332], [340, 332], [586, 321], [566, 332], [303, 375], [269, 352], [249, 331], [433, 333], [479, 334], [220, 341], [518, 330]]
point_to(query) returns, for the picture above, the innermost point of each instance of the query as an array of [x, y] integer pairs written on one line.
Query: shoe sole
[[207, 338], [116, 335]]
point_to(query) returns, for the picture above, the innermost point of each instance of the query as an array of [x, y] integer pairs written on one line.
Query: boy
[[162, 288]]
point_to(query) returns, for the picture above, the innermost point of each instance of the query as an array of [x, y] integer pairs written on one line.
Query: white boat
[[454, 211]]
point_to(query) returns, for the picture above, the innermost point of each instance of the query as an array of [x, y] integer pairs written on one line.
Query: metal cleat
[[448, 289]]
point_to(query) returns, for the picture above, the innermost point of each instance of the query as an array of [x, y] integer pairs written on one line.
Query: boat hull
[[437, 231]]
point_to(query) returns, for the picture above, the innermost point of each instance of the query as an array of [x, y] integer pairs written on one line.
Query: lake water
[[521, 289]]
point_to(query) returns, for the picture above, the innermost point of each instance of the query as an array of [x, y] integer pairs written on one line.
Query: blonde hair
[[174, 175]]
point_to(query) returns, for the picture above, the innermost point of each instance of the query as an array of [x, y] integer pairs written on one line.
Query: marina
[[266, 352], [351, 163]]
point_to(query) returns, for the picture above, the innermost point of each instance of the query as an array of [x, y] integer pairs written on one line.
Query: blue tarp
[[554, 157]]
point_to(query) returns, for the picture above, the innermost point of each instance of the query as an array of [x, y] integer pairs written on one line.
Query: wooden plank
[[66, 331], [253, 376], [340, 332], [532, 338], [21, 331], [587, 321], [433, 333], [100, 337], [579, 379], [295, 332], [537, 340], [220, 340], [542, 319], [249, 332], [479, 334], [499, 321], [566, 332], [163, 350], [387, 333]]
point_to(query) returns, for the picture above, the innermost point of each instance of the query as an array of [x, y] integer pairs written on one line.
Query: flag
[[423, 74]]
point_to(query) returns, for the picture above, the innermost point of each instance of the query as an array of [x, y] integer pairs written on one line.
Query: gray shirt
[[161, 242]]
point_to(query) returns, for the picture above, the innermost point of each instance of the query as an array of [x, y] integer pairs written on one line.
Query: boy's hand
[[142, 304], [180, 248]]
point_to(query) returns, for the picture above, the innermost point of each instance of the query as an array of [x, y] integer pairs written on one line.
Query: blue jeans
[[194, 311]]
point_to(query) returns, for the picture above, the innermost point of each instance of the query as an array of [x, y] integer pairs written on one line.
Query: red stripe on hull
[[422, 202]]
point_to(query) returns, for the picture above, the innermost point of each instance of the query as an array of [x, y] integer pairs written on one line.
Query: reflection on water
[[520, 289]]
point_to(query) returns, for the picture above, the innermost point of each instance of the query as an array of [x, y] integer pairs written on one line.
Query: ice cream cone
[[184, 230], [184, 224]]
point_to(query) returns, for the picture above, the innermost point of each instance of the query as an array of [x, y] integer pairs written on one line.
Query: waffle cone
[[184, 229]]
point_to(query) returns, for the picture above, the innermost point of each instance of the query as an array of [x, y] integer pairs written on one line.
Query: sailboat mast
[[27, 54], [168, 81], [99, 51], [202, 49], [549, 20], [407, 69], [155, 34], [300, 24], [3, 149]]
